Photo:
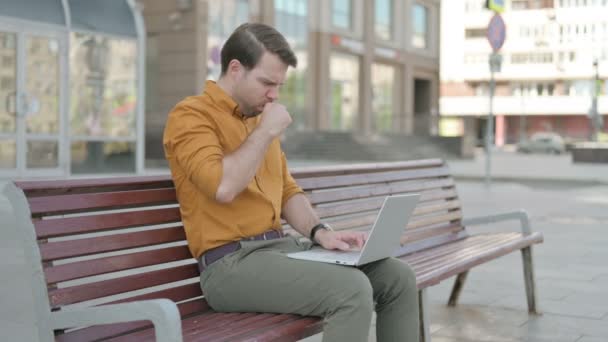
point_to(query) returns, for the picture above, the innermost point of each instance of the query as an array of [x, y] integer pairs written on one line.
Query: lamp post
[[594, 116]]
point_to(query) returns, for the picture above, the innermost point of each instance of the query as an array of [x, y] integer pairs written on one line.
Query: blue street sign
[[497, 32], [497, 6]]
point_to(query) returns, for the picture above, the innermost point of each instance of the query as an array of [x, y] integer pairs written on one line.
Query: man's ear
[[235, 69]]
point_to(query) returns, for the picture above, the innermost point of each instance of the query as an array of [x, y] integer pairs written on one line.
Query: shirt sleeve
[[192, 142], [290, 187]]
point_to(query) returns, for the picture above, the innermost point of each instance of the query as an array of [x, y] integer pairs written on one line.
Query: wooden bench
[[119, 242]]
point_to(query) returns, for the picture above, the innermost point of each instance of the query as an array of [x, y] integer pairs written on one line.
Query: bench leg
[[458, 284], [526, 254], [425, 332]]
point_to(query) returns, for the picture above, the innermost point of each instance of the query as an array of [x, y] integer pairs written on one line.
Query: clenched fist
[[275, 119]]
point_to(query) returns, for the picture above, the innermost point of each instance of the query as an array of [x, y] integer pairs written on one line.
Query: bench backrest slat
[[341, 194], [104, 288], [97, 223], [109, 243], [79, 186], [75, 203], [369, 178], [104, 265]]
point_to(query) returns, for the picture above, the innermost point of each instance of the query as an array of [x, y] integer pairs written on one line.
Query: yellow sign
[[497, 6]]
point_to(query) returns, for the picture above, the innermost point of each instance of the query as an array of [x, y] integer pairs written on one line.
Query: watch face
[[327, 226]]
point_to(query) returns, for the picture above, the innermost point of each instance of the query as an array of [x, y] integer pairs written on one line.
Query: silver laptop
[[383, 239]]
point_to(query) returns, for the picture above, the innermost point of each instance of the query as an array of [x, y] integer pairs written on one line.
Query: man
[[233, 186]]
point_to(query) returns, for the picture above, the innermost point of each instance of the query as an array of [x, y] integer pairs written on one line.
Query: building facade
[[552, 53], [71, 85], [364, 67]]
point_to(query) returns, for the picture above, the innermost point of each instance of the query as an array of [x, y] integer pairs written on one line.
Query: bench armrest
[[520, 215], [162, 313]]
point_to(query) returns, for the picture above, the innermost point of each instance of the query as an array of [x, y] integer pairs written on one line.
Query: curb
[[511, 179]]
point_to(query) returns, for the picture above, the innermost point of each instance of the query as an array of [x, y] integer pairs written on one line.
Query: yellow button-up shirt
[[200, 131]]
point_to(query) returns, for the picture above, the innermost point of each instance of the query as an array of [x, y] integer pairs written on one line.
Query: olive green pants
[[261, 278]]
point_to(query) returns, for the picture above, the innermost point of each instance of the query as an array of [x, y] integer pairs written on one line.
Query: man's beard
[[252, 113]]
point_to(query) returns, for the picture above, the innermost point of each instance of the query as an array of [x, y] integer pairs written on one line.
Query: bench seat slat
[[74, 294], [58, 227], [101, 244], [446, 249], [297, 329], [87, 268], [475, 247], [436, 240], [434, 276], [370, 178], [244, 325], [379, 190], [193, 326], [238, 327], [104, 331], [66, 204]]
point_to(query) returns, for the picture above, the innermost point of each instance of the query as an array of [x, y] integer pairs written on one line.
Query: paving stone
[[569, 325], [566, 308], [591, 339]]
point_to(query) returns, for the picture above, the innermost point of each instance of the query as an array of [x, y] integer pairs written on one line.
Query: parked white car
[[543, 142]]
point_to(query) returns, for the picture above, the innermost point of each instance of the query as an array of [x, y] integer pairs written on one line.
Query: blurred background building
[[367, 78], [70, 77], [548, 74]]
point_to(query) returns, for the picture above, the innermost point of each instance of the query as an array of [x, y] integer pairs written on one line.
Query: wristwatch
[[314, 230]]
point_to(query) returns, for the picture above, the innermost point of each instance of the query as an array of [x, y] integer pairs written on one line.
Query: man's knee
[[356, 293], [399, 275]]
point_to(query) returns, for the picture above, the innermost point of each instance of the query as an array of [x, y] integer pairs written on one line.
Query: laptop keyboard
[[338, 255]]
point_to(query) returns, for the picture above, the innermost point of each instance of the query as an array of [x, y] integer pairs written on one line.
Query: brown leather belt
[[214, 254]]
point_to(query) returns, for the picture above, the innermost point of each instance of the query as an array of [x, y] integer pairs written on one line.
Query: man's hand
[[275, 119], [342, 240]]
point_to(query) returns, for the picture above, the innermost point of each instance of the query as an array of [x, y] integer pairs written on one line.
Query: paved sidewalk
[[572, 276], [509, 166], [571, 272]]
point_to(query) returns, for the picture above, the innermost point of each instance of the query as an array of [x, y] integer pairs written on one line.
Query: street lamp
[[594, 116]]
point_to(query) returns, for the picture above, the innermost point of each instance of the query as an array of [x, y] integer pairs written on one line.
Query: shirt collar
[[225, 101]]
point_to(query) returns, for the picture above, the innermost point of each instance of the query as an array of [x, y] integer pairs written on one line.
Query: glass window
[[291, 17], [344, 94], [102, 157], [8, 154], [383, 85], [383, 19], [42, 154], [8, 83], [42, 84], [475, 33], [342, 13], [519, 4], [103, 86], [420, 22], [224, 17]]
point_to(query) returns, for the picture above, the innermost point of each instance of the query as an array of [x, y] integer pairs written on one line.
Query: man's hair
[[248, 43]]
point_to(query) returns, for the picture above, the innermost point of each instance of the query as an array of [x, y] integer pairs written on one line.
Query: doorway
[[32, 102]]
